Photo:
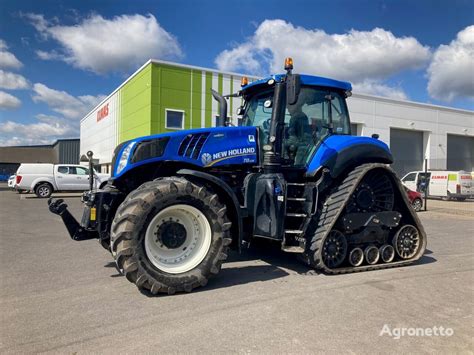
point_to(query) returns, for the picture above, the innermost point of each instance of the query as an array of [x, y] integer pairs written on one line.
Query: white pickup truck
[[43, 179]]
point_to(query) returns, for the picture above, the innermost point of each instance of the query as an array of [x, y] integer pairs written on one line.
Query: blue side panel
[[306, 80], [334, 144], [218, 146]]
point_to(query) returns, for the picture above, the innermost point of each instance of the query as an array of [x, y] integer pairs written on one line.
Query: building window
[[174, 119]]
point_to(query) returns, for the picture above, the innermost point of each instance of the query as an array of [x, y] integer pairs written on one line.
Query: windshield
[[306, 122]]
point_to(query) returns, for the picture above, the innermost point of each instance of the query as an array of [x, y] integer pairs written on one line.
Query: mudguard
[[339, 153]]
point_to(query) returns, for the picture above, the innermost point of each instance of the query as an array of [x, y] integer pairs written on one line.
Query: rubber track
[[332, 209]]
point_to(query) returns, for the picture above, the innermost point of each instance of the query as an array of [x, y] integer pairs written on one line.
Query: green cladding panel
[[196, 99], [173, 92], [158, 87], [135, 106]]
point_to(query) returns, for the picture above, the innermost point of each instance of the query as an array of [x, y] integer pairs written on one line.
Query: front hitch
[[75, 230]]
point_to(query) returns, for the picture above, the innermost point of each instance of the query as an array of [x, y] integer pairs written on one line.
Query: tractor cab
[[318, 109]]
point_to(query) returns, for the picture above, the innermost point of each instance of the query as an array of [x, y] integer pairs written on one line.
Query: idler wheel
[[334, 249], [407, 242]]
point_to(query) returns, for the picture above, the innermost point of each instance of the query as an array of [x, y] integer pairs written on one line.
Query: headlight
[[124, 157]]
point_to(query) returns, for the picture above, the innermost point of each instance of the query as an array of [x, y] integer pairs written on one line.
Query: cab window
[[410, 177], [81, 171], [63, 169]]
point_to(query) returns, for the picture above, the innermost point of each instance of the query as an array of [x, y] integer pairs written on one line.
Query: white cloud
[[105, 45], [376, 88], [8, 59], [67, 105], [12, 81], [356, 56], [46, 130], [451, 73], [8, 101]]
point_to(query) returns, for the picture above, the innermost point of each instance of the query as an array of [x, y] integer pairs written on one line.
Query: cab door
[[409, 180], [64, 179], [81, 178]]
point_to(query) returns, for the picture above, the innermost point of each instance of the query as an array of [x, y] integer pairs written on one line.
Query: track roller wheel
[[371, 254], [387, 253], [356, 257]]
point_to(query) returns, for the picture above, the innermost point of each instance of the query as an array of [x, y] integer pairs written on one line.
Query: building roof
[[370, 97], [43, 145], [164, 62]]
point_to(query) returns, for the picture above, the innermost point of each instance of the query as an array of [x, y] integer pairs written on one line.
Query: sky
[[58, 59]]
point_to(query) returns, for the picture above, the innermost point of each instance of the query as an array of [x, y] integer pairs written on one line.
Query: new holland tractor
[[290, 172]]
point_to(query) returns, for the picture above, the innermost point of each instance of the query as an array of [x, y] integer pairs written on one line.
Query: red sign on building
[[103, 112]]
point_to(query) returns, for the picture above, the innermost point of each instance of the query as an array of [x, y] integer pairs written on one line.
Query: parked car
[[11, 181], [43, 179], [445, 184], [415, 198]]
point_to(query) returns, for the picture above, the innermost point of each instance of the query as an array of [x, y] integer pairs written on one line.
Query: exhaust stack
[[222, 120]]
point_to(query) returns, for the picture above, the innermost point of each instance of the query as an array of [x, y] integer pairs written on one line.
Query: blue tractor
[[290, 172]]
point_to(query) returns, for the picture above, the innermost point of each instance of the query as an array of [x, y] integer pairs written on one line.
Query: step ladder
[[295, 218]]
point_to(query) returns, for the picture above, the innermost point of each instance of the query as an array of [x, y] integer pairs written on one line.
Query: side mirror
[[293, 87]]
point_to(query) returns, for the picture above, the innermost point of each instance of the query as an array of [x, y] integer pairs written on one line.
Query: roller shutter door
[[407, 150], [460, 153]]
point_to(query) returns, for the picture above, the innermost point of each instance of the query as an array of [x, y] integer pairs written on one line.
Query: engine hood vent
[[192, 144]]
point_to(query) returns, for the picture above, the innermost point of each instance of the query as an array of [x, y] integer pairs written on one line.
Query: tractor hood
[[203, 148]]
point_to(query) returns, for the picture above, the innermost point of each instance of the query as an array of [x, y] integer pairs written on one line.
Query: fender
[[42, 179], [224, 189], [357, 155], [338, 153]]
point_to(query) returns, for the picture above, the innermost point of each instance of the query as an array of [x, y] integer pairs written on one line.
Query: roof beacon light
[[289, 63], [244, 81]]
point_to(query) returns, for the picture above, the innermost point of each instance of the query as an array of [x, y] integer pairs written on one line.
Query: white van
[[43, 179], [446, 184]]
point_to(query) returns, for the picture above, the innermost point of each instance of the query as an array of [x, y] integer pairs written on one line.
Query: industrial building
[[163, 96], [63, 151]]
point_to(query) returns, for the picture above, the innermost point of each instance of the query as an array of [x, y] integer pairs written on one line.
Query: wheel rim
[[178, 239], [417, 205], [334, 249], [407, 242], [43, 191]]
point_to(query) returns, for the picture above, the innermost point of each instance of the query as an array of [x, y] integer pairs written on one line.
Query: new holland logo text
[[207, 158]]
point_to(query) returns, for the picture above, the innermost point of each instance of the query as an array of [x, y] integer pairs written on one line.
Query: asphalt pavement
[[62, 296]]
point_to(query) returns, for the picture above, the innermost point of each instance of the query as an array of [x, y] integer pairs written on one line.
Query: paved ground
[[62, 296], [453, 207]]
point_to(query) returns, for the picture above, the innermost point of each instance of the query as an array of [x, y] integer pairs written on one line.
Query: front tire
[[170, 235]]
